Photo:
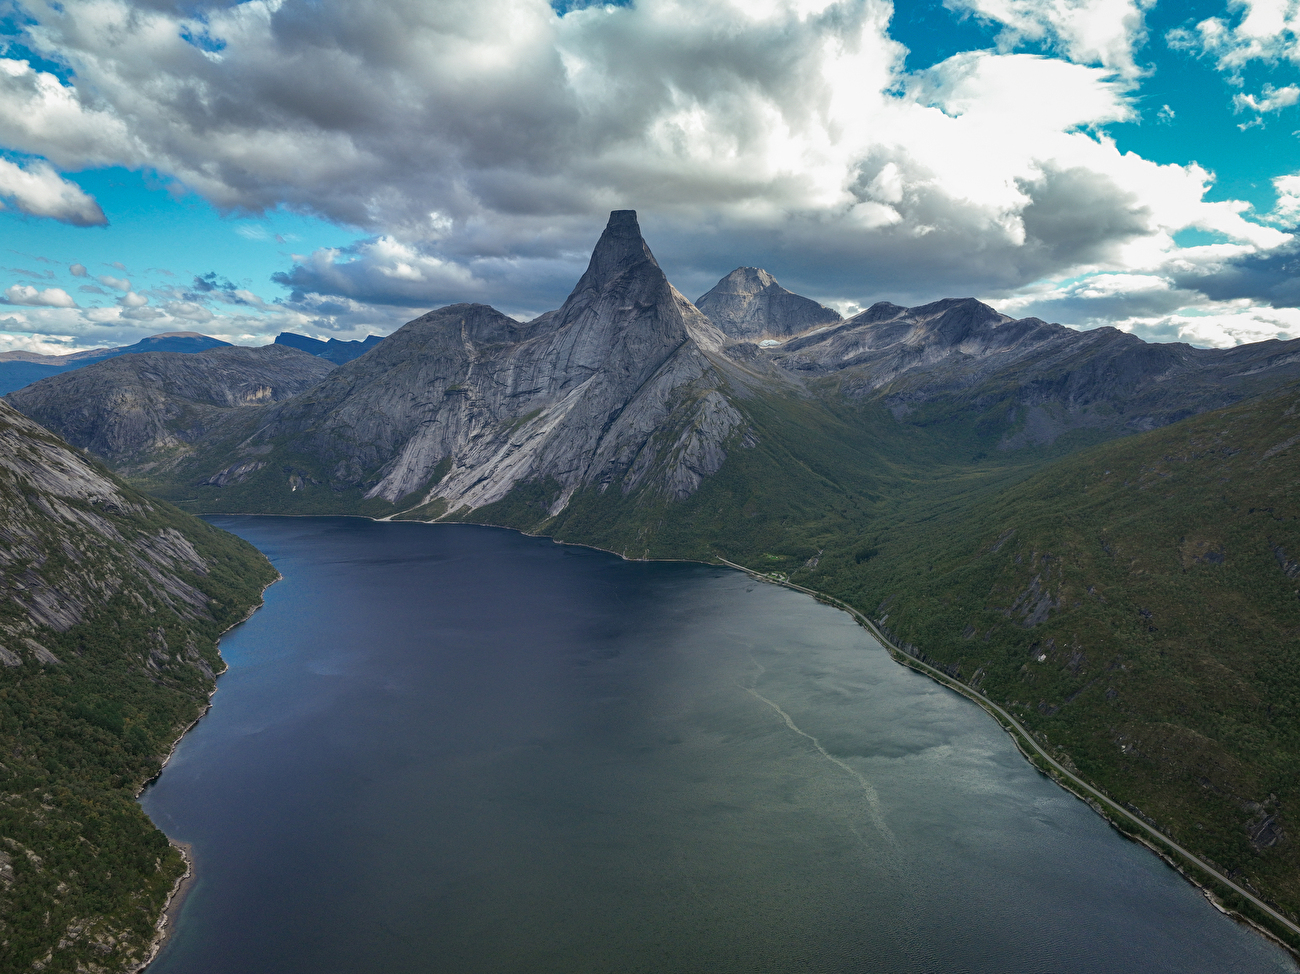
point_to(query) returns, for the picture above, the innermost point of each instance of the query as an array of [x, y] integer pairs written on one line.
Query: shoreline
[[171, 910], [1101, 803], [172, 907]]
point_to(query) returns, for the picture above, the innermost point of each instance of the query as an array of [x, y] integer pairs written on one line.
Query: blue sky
[[336, 169]]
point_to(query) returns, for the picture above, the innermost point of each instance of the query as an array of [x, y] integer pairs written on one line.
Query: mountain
[[18, 369], [749, 304], [334, 350], [1036, 509], [133, 409], [110, 606], [619, 387], [1035, 380]]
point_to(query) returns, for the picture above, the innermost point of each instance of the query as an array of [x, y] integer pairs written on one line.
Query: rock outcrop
[[615, 388], [749, 305], [1045, 379], [133, 409]]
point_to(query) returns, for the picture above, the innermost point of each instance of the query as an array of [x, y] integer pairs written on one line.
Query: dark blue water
[[457, 749]]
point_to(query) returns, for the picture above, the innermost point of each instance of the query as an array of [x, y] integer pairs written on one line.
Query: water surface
[[458, 749]]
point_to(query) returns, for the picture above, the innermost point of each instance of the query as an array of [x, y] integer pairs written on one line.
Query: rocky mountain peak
[[620, 249], [746, 280], [749, 304]]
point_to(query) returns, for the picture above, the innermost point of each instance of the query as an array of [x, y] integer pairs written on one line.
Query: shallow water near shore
[[459, 749]]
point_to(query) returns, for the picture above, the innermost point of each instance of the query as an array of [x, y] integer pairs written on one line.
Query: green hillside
[[1136, 603], [112, 606], [1138, 606]]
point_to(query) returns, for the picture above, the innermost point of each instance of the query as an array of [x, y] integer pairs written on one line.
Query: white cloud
[[1265, 30], [478, 144], [1269, 100], [38, 190], [116, 283], [1287, 209], [1221, 329], [52, 297], [1102, 32], [77, 270], [132, 300]]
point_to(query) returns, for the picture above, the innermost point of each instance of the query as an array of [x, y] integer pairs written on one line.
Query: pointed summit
[[749, 304], [620, 248]]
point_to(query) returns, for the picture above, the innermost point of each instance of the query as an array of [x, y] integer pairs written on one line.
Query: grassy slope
[[86, 872], [1169, 676], [1164, 661], [1169, 629]]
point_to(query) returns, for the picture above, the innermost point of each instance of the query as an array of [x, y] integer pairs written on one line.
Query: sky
[[336, 168]]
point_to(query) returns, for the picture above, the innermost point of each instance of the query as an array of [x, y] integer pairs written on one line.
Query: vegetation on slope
[[1137, 604], [112, 606]]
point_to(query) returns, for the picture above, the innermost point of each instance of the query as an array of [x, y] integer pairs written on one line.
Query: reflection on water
[[449, 748]]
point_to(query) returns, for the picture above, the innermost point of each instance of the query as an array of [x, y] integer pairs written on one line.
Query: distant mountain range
[[1045, 513], [19, 369], [334, 350]]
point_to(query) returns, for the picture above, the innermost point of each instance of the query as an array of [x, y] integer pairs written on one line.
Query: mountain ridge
[[877, 458], [112, 603], [749, 304]]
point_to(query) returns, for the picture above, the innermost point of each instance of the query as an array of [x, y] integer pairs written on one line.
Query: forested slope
[[111, 606]]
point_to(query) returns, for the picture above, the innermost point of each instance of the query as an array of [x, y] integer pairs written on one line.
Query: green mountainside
[[1136, 604], [112, 605], [1097, 532]]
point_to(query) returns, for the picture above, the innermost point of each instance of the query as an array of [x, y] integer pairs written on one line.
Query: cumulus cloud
[[77, 270], [1265, 30], [1103, 32], [477, 145], [38, 190], [382, 271], [1270, 99], [52, 297]]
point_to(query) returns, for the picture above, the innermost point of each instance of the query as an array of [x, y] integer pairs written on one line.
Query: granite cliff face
[[136, 410], [69, 544], [748, 304], [1039, 379], [620, 387]]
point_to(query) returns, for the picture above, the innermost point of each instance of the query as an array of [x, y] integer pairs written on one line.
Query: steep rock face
[[748, 304], [110, 606], [1051, 378], [130, 408], [598, 392], [56, 510]]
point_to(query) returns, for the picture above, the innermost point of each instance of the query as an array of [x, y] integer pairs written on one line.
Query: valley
[[1098, 533]]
